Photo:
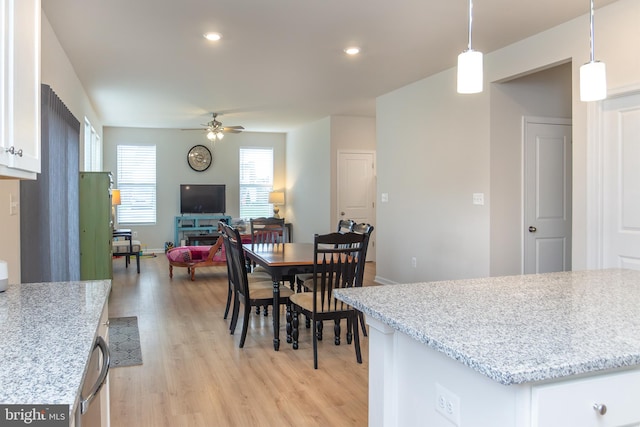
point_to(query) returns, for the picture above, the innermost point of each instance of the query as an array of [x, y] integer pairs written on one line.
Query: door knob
[[342, 213], [532, 229]]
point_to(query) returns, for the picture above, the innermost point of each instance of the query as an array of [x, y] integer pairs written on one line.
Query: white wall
[[10, 228], [433, 152], [308, 195], [434, 145], [172, 146]]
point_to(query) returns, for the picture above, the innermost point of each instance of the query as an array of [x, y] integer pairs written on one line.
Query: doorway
[[356, 190], [543, 93]]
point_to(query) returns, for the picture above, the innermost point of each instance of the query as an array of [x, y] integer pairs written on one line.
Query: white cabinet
[[406, 378], [20, 88]]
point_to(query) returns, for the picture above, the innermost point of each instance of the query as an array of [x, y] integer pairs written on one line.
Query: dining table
[[279, 260]]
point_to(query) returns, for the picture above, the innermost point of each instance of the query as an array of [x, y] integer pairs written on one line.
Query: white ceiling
[[280, 64]]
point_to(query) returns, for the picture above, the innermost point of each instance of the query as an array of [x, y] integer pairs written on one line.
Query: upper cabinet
[[20, 88]]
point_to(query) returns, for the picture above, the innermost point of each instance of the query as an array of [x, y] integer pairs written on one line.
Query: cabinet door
[[26, 85], [20, 88], [96, 232]]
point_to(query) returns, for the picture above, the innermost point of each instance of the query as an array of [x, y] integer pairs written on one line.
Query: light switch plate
[[384, 197]]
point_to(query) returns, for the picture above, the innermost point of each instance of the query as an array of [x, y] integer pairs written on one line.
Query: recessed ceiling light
[[352, 50], [214, 37]]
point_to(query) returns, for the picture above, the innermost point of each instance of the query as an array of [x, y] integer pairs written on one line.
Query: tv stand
[[197, 225]]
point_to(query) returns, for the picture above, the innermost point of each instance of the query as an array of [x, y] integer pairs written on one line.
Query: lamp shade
[[470, 78], [593, 81], [276, 198], [115, 197]]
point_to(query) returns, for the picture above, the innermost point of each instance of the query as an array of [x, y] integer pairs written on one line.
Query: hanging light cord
[[471, 21], [591, 41]]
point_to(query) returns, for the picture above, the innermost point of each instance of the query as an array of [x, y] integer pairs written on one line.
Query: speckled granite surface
[[518, 329], [47, 332]]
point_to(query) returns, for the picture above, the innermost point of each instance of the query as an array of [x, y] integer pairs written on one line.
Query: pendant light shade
[[593, 81], [593, 74], [470, 72], [470, 78]]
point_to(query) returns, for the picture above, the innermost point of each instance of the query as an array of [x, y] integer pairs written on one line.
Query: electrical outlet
[[135, 234], [414, 262], [448, 404]]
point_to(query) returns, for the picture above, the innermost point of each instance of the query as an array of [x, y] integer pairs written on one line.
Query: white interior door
[[356, 189], [621, 182], [547, 195]]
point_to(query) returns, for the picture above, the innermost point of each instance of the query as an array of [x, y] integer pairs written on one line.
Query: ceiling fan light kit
[[215, 131]]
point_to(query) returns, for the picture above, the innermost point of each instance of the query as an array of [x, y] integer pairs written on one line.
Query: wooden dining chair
[[247, 293], [269, 230], [338, 263], [303, 281]]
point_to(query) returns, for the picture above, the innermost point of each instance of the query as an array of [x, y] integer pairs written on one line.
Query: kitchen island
[[47, 335], [558, 349]]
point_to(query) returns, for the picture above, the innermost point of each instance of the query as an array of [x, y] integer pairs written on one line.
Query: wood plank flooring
[[194, 375]]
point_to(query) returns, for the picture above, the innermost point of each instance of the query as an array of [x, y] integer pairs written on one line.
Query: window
[[256, 181], [137, 184], [92, 148]]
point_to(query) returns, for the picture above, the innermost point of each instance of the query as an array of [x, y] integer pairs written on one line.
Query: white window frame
[[256, 181], [136, 180]]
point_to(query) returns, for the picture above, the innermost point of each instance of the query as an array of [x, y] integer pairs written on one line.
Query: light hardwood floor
[[193, 373]]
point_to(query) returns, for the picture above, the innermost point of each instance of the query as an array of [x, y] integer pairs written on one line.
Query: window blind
[[256, 181], [137, 184]]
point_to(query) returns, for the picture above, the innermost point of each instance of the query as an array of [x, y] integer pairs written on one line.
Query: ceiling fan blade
[[233, 129], [194, 129]]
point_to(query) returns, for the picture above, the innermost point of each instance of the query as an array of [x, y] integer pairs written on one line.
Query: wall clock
[[199, 158]]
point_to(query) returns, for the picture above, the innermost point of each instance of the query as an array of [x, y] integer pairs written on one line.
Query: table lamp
[[115, 201], [276, 198]]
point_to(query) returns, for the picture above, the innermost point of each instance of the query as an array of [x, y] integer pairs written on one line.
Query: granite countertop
[[47, 332], [518, 329]]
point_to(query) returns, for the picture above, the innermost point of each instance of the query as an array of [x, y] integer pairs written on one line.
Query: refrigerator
[[96, 229]]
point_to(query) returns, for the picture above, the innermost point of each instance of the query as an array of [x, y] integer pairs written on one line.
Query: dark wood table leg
[[276, 315]]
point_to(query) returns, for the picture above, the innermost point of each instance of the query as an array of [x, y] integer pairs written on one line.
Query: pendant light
[[593, 75], [470, 78]]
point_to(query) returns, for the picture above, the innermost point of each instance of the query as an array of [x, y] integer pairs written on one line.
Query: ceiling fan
[[215, 130]]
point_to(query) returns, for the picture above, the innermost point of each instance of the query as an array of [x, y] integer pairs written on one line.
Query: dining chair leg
[[234, 314], [319, 328], [356, 339], [245, 325], [363, 325], [336, 331], [315, 351], [288, 317], [229, 293], [294, 329]]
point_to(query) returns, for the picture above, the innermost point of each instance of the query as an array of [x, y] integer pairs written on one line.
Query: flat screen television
[[202, 198]]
